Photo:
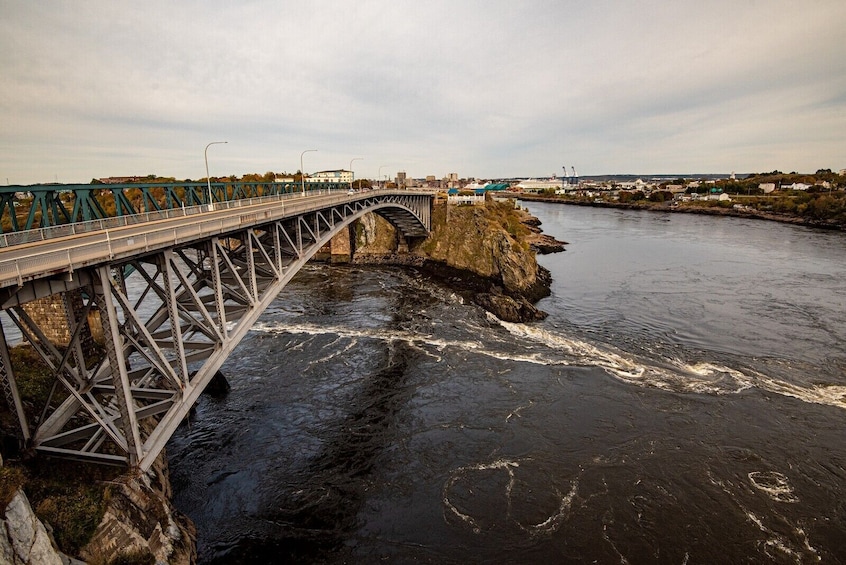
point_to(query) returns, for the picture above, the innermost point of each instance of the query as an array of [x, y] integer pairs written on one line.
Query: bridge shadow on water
[[313, 513]]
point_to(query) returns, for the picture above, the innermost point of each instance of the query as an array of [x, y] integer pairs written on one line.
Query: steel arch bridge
[[175, 296]]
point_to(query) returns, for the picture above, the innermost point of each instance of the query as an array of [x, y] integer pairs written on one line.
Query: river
[[684, 402]]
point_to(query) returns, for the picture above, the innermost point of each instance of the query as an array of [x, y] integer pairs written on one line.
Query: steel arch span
[[170, 317]]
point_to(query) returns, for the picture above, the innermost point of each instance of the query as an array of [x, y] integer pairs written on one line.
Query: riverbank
[[710, 209]]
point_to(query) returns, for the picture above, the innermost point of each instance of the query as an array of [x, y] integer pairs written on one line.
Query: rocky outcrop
[[140, 522], [139, 525], [540, 242], [24, 539], [482, 250]]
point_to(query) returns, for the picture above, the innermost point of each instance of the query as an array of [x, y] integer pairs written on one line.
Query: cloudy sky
[[491, 88]]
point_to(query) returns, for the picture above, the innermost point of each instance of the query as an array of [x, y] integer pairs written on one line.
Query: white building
[[766, 187], [797, 186], [535, 185], [339, 176]]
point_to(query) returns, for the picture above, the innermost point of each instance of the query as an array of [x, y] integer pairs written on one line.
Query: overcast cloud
[[482, 88]]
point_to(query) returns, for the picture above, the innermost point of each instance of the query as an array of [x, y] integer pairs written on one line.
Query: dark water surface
[[685, 402]]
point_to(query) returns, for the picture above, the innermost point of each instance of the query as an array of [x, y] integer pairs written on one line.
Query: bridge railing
[[23, 208], [61, 230]]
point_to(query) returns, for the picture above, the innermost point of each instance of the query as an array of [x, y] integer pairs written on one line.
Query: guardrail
[[98, 243], [43, 234]]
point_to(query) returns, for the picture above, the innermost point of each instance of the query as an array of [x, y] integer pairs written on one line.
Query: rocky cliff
[[141, 523], [24, 540], [138, 523], [487, 251]]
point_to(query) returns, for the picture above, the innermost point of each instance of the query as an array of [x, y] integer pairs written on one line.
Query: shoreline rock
[[141, 522], [25, 539], [488, 254]]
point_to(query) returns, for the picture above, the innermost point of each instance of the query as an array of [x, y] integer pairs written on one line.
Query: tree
[[660, 196]]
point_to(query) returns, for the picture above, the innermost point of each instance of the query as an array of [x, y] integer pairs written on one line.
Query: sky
[[486, 89]]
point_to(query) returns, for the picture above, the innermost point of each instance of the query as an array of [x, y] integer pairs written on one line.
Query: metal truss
[[52, 205], [170, 319]]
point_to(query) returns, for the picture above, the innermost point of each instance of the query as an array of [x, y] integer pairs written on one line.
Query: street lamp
[[351, 162], [302, 171], [380, 174], [208, 178]]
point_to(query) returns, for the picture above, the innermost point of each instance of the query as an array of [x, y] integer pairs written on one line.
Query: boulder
[[26, 541]]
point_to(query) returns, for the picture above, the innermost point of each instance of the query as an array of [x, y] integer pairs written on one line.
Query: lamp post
[[302, 171], [380, 174], [351, 162], [208, 178]]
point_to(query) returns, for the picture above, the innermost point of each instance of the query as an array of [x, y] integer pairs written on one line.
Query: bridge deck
[[61, 249]]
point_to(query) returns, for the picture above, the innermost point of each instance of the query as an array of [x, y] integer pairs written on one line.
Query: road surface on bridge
[[65, 254]]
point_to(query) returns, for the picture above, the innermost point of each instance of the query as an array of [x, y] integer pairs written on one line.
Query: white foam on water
[[353, 342], [546, 526], [774, 484], [516, 411], [461, 472], [799, 551], [552, 523], [673, 374], [703, 378]]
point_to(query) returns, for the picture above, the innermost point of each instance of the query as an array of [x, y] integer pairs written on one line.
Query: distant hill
[[661, 177], [657, 177]]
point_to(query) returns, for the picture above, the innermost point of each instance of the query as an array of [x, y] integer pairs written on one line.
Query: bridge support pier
[[341, 246], [218, 386]]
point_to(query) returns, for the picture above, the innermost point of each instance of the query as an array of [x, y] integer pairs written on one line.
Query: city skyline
[[488, 90]]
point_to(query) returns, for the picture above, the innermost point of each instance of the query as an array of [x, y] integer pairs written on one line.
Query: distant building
[[120, 180], [766, 187], [474, 184], [465, 199], [535, 185], [338, 176], [401, 179], [797, 186], [283, 179]]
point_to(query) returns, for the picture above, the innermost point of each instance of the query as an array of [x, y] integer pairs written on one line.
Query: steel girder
[[52, 205], [167, 328]]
